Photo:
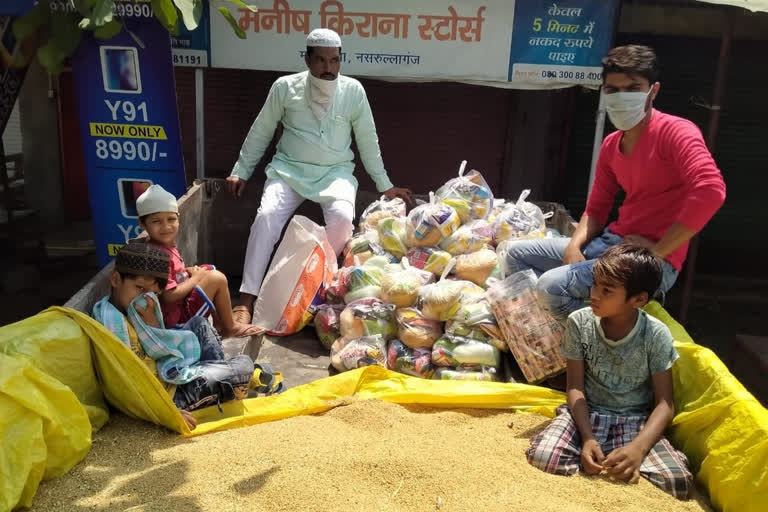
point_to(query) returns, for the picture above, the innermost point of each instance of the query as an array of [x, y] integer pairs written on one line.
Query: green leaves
[[242, 4], [25, 26], [191, 12], [232, 22], [108, 30], [60, 33], [98, 13], [166, 13], [62, 42]]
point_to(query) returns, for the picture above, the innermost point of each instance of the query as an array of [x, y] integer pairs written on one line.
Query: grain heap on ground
[[369, 455]]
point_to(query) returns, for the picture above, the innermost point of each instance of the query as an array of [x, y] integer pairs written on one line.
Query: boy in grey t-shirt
[[619, 369]]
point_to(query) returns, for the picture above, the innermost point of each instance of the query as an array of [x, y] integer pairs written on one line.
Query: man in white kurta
[[318, 109]]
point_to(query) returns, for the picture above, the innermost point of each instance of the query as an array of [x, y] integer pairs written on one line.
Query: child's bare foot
[[240, 330], [241, 314]]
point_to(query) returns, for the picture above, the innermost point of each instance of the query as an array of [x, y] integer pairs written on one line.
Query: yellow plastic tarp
[[55, 366]]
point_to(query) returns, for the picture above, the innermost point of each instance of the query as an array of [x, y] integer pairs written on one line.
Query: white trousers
[[278, 204]]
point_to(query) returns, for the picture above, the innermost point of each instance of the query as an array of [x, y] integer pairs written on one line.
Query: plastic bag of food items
[[443, 300], [485, 375], [430, 259], [470, 237], [415, 330], [520, 220], [533, 335], [410, 361], [454, 328], [469, 195], [361, 248], [363, 281], [474, 316], [380, 210], [327, 327], [457, 351], [401, 287], [428, 224], [477, 266], [348, 354], [368, 317], [392, 235]]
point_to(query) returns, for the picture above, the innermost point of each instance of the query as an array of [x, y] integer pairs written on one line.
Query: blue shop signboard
[[561, 42], [129, 122], [192, 48]]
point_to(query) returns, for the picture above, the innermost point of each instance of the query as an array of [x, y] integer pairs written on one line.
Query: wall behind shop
[[425, 130]]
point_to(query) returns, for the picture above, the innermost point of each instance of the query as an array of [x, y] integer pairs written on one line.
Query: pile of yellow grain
[[366, 456]]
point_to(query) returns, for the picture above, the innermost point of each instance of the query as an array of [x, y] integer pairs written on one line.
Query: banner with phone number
[[126, 95], [561, 42]]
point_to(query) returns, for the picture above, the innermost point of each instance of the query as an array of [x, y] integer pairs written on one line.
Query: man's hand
[[592, 457], [403, 193], [236, 186], [639, 241], [572, 255], [189, 419], [148, 313], [624, 463]]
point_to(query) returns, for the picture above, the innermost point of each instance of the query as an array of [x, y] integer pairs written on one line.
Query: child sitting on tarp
[[619, 369], [190, 363], [190, 291]]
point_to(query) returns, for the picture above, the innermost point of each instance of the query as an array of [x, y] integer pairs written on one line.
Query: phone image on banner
[[120, 69], [129, 191]]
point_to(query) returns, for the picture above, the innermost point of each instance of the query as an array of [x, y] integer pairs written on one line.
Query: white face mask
[[626, 109], [321, 94]]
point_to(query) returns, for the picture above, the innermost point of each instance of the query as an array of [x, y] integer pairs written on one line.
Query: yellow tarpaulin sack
[[719, 425]]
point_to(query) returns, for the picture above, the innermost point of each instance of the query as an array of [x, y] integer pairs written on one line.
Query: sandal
[[241, 315], [266, 380], [243, 330]]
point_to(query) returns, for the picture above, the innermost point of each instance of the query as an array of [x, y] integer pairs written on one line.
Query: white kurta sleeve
[[261, 132], [368, 144]]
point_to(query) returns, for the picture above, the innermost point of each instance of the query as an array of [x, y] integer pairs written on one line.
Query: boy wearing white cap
[[318, 109], [191, 291]]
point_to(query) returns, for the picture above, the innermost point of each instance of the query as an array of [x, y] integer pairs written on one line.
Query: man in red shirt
[[673, 188]]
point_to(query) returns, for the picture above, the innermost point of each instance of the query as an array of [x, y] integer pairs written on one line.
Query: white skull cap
[[324, 38], [154, 200]]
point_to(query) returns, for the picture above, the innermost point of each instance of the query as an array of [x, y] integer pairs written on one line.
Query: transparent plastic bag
[[454, 328], [477, 266], [327, 323], [429, 223], [520, 220], [392, 235], [478, 315], [380, 210], [485, 374], [410, 361], [430, 259], [363, 281], [362, 246], [348, 354], [368, 317], [533, 335], [401, 287], [415, 330], [441, 299], [456, 351], [470, 237], [339, 286], [469, 195]]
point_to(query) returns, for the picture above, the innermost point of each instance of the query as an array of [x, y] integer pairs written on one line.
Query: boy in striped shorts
[[619, 369]]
